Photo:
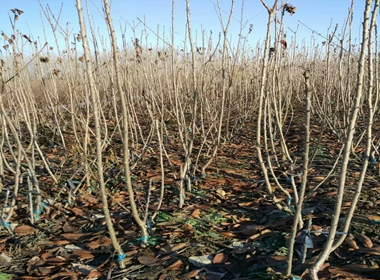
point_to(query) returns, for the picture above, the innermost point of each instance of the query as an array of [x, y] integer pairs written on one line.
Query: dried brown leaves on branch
[[17, 11], [27, 38], [4, 36], [138, 49], [284, 44], [44, 59], [290, 9], [56, 72], [250, 28]]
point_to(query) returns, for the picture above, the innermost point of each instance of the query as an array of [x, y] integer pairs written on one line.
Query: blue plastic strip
[[288, 200], [120, 257], [37, 213], [7, 225]]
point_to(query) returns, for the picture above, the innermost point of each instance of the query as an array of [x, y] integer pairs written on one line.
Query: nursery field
[[121, 159]]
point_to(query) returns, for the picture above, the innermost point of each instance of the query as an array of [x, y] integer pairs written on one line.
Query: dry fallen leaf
[[366, 241], [220, 258], [24, 230], [317, 178], [56, 261], [175, 266], [354, 271], [68, 227], [221, 192], [262, 234], [77, 211], [228, 234], [196, 214], [351, 242], [94, 275], [370, 251], [193, 273], [72, 236], [373, 218], [82, 254], [47, 255], [253, 229], [83, 269], [171, 248], [149, 260]]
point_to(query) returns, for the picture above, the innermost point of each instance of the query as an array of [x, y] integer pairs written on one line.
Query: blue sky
[[317, 14]]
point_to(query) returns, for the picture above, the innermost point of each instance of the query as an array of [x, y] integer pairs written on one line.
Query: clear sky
[[316, 14]]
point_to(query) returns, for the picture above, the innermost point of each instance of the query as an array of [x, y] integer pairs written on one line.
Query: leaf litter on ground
[[227, 229]]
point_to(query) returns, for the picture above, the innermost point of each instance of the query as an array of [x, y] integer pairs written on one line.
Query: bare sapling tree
[[225, 73], [276, 109], [234, 76], [99, 156], [262, 96], [332, 243], [191, 130], [279, 96], [176, 104], [297, 220], [125, 129]]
